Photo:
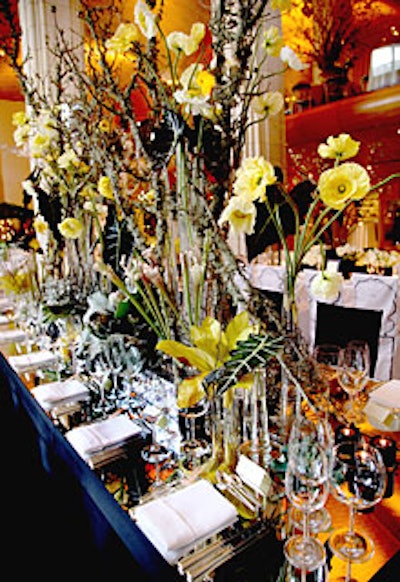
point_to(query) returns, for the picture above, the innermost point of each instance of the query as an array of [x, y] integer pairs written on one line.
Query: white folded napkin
[[176, 522], [53, 393], [11, 336], [92, 438], [32, 361], [388, 394], [383, 406]]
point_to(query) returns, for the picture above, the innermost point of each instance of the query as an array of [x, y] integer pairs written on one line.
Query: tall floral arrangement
[[137, 152]]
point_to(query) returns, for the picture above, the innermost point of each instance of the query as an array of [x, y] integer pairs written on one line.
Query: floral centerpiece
[[138, 169]]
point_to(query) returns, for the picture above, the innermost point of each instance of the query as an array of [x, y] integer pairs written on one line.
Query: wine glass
[[306, 487], [327, 357], [358, 479], [309, 431], [195, 447], [353, 373]]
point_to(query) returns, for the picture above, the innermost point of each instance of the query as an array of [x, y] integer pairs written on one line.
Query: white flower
[[269, 104], [145, 20], [254, 174], [241, 215], [313, 257], [288, 56], [273, 41], [326, 285]]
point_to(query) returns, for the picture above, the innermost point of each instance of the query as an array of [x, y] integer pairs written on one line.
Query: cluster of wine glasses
[[358, 479], [353, 471], [351, 365]]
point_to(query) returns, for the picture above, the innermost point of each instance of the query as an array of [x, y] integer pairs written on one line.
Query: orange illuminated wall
[[373, 119]]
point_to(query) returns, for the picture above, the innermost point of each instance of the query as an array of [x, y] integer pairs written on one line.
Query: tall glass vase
[[257, 445], [289, 322]]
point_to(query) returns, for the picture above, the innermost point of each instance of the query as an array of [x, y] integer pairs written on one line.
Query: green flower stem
[[385, 181]]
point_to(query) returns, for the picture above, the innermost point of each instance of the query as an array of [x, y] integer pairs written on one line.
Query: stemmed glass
[[310, 432], [353, 373], [306, 487], [327, 358], [358, 479], [195, 448]]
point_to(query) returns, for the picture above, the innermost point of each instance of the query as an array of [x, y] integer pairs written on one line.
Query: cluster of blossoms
[[337, 186]]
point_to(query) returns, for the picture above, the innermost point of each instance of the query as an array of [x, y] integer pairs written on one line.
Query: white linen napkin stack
[[32, 361], [176, 522], [383, 406], [11, 336], [56, 393], [91, 438]]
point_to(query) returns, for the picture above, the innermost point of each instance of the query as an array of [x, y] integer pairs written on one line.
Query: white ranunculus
[[326, 286]]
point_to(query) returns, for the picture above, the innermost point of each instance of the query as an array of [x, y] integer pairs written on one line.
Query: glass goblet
[[358, 479], [327, 357], [306, 487], [353, 373]]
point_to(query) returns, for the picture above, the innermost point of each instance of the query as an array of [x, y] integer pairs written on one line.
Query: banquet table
[[62, 515]]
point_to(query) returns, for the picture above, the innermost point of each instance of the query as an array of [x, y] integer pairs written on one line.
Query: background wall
[[13, 168]]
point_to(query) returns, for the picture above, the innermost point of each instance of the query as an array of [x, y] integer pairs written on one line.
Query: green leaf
[[248, 355]]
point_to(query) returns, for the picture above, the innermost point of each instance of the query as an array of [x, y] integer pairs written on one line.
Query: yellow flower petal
[[192, 356], [339, 185], [190, 391]]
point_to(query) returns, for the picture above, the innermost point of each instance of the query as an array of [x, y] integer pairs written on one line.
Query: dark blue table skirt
[[57, 518]]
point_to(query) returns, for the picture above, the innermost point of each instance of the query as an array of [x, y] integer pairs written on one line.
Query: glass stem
[[352, 515], [306, 533]]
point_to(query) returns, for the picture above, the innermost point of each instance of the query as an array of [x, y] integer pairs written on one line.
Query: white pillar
[[39, 22]]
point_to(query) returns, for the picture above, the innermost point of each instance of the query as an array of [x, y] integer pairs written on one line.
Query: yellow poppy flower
[[71, 228], [337, 186], [341, 147]]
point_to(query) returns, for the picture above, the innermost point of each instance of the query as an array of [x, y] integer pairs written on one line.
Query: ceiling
[[182, 14]]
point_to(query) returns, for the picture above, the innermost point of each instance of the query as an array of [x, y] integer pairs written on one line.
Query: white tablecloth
[[362, 291]]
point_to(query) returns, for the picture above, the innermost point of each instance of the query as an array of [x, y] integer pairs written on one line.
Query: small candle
[[387, 447], [347, 433]]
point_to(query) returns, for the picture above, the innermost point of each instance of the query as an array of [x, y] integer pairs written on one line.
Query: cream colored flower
[[71, 228], [19, 118], [269, 104], [241, 215], [68, 159], [187, 43], [287, 55], [21, 135], [326, 285], [337, 186], [197, 85], [145, 20], [39, 145], [273, 41], [341, 147], [105, 188], [252, 177], [40, 225], [126, 34]]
